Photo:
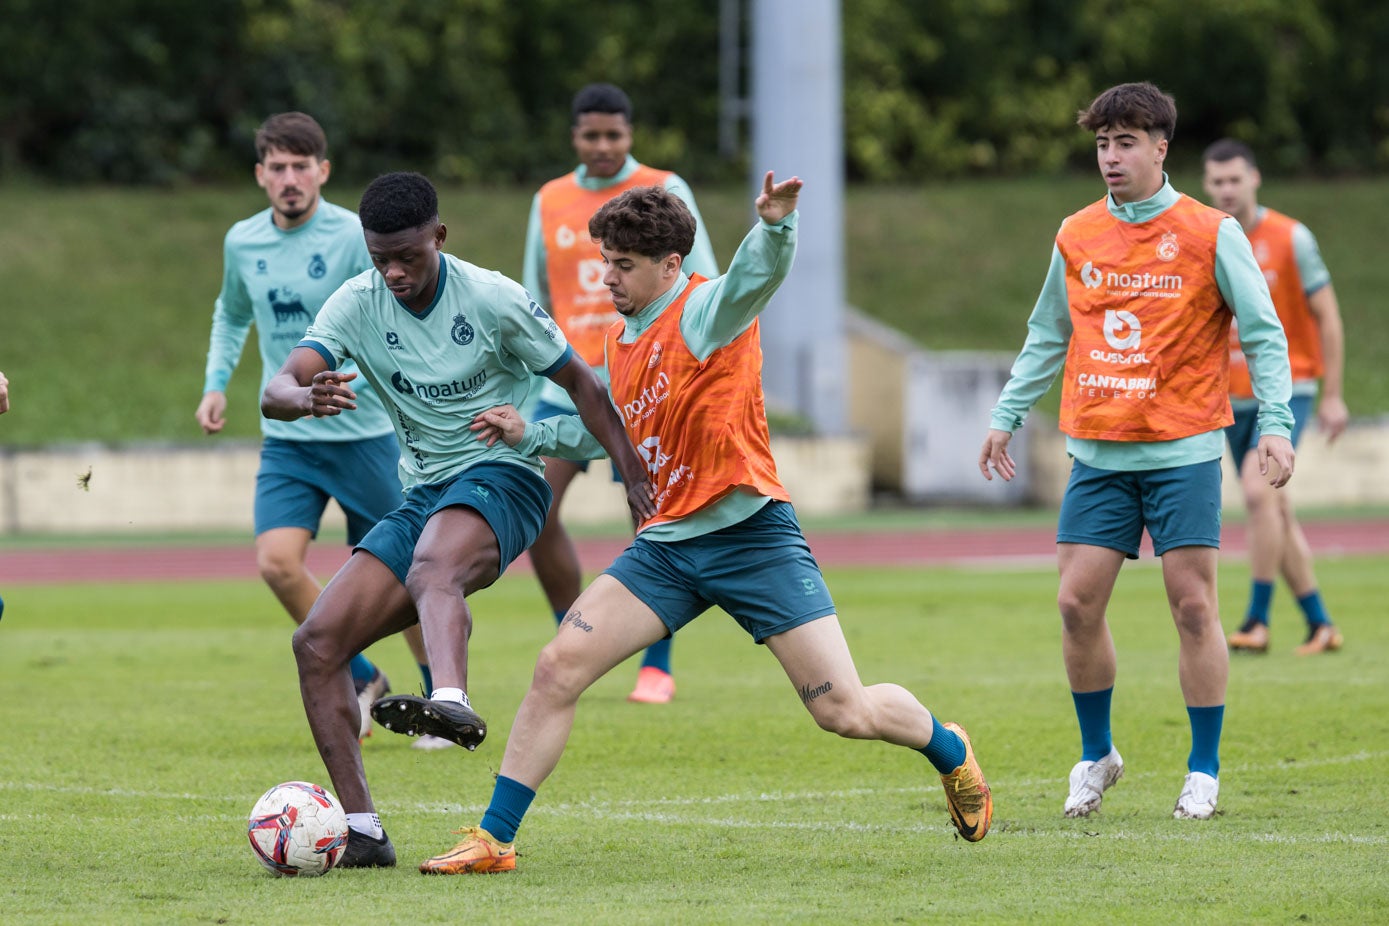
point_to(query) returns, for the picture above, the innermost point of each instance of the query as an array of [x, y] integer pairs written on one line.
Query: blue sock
[[946, 750], [1092, 710], [658, 655], [1260, 597], [1313, 609], [510, 801], [1205, 739], [559, 616], [2, 607], [428, 679], [362, 669]]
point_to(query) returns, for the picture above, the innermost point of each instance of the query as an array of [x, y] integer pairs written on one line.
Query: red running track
[[927, 547]]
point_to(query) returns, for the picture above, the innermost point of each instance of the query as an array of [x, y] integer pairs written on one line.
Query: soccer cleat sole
[[415, 716]]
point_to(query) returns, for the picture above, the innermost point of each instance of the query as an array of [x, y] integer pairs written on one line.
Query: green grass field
[[142, 721], [109, 292]]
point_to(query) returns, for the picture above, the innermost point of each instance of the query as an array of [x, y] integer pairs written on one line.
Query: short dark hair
[[601, 98], [398, 201], [1137, 106], [645, 220], [1227, 149], [297, 133]]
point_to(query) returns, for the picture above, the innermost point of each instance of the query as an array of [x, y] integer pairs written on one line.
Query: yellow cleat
[[478, 853], [1324, 638], [967, 795]]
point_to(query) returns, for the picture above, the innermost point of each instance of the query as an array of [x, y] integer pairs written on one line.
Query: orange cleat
[[1252, 637], [654, 686], [967, 795], [1323, 638], [478, 853]]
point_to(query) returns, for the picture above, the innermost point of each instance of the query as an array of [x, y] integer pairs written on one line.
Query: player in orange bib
[[1135, 312], [686, 367], [1306, 301], [564, 273]]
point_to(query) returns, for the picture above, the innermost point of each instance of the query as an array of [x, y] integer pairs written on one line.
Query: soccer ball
[[297, 828]]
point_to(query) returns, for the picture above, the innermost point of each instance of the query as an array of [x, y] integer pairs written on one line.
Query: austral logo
[[462, 331], [393, 341]]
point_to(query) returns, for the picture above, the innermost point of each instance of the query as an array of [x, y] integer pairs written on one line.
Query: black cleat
[[416, 716], [364, 852]]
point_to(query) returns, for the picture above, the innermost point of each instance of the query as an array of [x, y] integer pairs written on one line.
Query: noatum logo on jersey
[[1122, 283], [436, 392]]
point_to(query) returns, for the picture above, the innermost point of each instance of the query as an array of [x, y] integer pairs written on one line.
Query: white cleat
[[431, 742], [1089, 781], [1197, 801], [369, 694]]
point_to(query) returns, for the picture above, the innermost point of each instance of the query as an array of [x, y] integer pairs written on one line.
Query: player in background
[[685, 368], [1302, 293], [278, 267], [563, 270], [440, 340], [1137, 306]]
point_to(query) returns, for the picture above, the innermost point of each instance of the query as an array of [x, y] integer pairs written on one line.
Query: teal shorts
[[759, 570], [513, 500], [1179, 506], [297, 478], [1243, 435]]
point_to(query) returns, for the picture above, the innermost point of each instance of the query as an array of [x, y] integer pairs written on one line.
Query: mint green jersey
[[477, 345], [278, 279]]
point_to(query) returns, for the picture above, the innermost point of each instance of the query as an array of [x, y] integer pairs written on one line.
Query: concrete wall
[[1350, 473], [179, 488]]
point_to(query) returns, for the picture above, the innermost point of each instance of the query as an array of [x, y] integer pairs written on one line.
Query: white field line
[[677, 811]]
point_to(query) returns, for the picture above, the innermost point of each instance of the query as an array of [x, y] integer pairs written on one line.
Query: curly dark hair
[[1137, 106], [297, 133], [601, 98], [395, 202], [645, 220]]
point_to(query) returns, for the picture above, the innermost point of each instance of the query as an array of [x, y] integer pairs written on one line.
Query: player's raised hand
[[328, 395], [778, 200], [499, 423]]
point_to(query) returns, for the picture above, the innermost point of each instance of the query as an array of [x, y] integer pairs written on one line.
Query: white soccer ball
[[297, 829]]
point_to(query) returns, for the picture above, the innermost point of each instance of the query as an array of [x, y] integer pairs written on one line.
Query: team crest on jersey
[[462, 331], [1167, 249], [318, 267], [261, 266], [655, 356]]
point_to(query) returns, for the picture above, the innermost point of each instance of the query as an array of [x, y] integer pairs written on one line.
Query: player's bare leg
[[281, 555]]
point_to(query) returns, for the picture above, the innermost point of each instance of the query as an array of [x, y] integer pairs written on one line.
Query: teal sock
[[658, 655], [946, 750], [1313, 609], [510, 801], [1092, 710], [1260, 597], [1205, 739], [428, 679], [362, 669]]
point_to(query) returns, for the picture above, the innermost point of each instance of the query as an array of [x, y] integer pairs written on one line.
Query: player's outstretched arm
[[995, 454], [305, 386], [590, 397], [777, 200]]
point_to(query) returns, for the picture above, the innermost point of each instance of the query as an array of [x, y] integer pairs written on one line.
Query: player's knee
[[846, 717], [278, 570], [559, 674], [1079, 612], [311, 654], [1195, 614]]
